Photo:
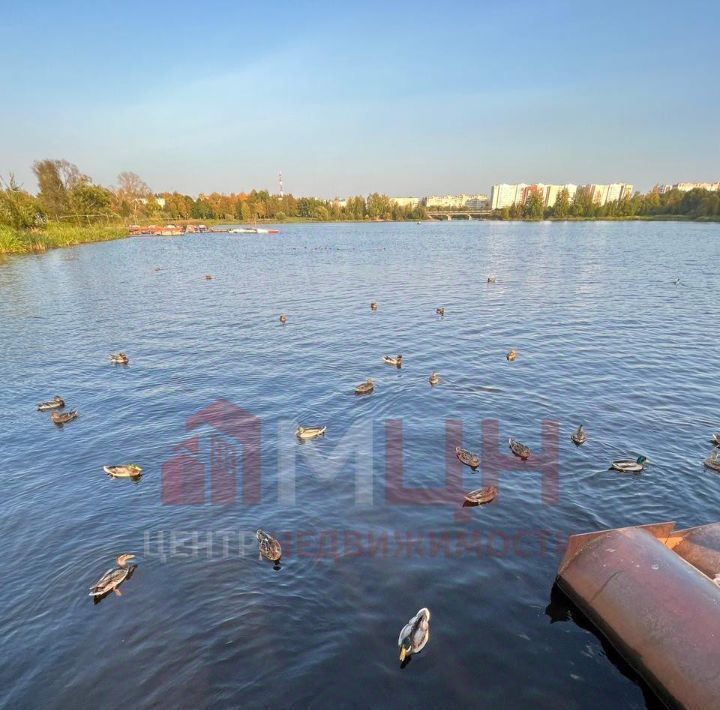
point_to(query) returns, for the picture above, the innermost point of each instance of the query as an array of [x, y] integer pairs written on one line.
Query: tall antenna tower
[[280, 182]]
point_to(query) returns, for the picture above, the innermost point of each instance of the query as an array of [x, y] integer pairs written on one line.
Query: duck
[[130, 470], [269, 547], [492, 279], [373, 306], [520, 450], [579, 437], [715, 439], [434, 379], [55, 403], [480, 496], [208, 277], [61, 418], [389, 360], [712, 461], [440, 311], [283, 318], [366, 387], [467, 457], [114, 577], [414, 635], [629, 465], [119, 358], [310, 432], [512, 355]]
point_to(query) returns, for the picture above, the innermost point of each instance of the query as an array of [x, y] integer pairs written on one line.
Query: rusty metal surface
[[661, 613], [700, 546]]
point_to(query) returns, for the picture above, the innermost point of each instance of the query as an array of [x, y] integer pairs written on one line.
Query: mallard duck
[[415, 634], [113, 578], [310, 432], [629, 465], [715, 439], [373, 306], [54, 403], [520, 450], [440, 311], [467, 457], [208, 277], [492, 279], [119, 359], [283, 318], [579, 437], [396, 361], [481, 495], [434, 379], [713, 461], [512, 355], [128, 471], [366, 387], [61, 418], [269, 547]]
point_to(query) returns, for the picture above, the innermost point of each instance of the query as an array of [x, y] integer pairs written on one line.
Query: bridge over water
[[447, 215]]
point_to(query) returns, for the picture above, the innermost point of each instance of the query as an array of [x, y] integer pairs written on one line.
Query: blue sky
[[404, 98]]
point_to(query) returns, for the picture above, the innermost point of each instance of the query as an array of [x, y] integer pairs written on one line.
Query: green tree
[[561, 207], [18, 209], [534, 207], [84, 198], [54, 178]]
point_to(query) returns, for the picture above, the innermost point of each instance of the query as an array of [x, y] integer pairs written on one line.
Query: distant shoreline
[[55, 236]]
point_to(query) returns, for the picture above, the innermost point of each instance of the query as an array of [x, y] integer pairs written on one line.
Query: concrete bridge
[[448, 215]]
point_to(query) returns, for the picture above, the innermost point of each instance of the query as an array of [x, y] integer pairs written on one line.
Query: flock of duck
[[416, 633]]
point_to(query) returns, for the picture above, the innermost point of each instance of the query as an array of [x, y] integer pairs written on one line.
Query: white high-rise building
[[505, 195], [406, 201]]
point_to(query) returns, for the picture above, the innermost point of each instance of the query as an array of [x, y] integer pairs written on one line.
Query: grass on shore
[[55, 235]]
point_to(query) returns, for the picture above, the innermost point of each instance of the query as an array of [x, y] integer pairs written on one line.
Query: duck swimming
[[628, 465], [373, 306], [520, 450], [61, 418], [715, 439], [415, 634], [208, 277], [269, 547], [467, 457], [492, 279], [578, 436], [440, 311], [396, 361], [512, 355], [283, 318], [55, 403], [366, 387], [119, 359], [128, 471], [113, 578], [310, 432], [434, 379], [712, 461], [481, 496]]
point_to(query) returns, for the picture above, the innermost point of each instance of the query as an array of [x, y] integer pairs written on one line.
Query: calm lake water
[[604, 337]]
